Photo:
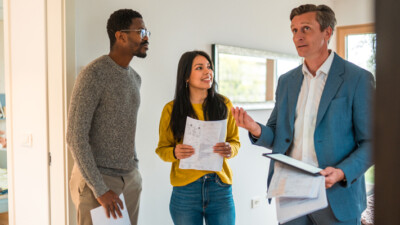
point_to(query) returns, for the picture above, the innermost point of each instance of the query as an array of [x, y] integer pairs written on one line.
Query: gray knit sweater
[[102, 121]]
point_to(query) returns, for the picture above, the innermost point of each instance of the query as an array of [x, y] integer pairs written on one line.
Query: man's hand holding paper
[[100, 218], [332, 176]]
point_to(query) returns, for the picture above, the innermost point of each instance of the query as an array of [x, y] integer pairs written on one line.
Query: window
[[248, 77], [357, 44]]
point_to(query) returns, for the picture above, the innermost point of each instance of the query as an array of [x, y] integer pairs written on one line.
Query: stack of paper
[[297, 193], [202, 136]]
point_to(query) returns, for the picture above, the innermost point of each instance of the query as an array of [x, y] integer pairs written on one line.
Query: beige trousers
[[82, 196]]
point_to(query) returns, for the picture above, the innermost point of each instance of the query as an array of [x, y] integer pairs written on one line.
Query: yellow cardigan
[[166, 144]]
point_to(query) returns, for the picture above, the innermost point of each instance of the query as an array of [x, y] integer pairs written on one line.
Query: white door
[[35, 93]]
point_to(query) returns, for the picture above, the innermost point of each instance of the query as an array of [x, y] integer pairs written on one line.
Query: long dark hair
[[214, 107]]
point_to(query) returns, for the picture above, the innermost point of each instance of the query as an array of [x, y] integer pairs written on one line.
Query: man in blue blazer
[[321, 116]]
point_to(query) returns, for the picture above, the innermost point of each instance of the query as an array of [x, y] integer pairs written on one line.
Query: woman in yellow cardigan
[[198, 194]]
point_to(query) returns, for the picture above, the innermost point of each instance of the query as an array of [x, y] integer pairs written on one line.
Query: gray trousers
[[322, 217], [82, 196]]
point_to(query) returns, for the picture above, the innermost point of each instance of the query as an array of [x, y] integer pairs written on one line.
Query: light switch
[[27, 140]]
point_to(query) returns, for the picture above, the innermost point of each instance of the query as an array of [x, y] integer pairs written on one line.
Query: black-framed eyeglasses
[[143, 32]]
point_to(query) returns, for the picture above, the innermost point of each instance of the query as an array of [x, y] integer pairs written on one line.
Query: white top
[[306, 112]]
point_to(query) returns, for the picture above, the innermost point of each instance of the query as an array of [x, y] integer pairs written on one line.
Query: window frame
[[343, 31]]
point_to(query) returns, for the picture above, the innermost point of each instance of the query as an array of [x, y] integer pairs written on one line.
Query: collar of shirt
[[323, 69]]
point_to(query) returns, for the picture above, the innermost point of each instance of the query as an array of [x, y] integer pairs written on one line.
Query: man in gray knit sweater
[[102, 124]]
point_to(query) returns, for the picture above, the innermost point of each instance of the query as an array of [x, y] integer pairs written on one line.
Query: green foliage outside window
[[242, 78]]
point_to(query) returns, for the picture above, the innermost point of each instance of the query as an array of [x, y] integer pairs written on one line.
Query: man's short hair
[[324, 14], [120, 20]]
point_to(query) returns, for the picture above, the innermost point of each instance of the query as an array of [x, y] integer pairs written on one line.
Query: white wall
[[354, 12], [178, 26]]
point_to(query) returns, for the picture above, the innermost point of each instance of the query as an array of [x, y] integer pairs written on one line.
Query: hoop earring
[[186, 84]]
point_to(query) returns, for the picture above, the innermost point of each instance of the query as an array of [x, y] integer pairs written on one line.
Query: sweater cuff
[[99, 191], [173, 152]]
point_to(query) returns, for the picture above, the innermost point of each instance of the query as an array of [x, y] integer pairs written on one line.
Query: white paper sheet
[[288, 209], [202, 136], [99, 216], [290, 182], [297, 193]]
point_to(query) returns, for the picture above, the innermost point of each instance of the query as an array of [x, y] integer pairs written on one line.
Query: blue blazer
[[342, 135]]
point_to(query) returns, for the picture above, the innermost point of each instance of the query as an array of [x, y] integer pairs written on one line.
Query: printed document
[[297, 193], [99, 216], [293, 183], [202, 136]]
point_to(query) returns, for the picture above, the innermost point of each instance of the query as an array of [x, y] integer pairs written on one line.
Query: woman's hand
[[183, 151], [223, 149]]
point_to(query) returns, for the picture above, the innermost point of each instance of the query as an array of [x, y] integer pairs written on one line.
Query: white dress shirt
[[306, 112]]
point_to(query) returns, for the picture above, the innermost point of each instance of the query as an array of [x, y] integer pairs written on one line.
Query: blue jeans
[[207, 198]]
